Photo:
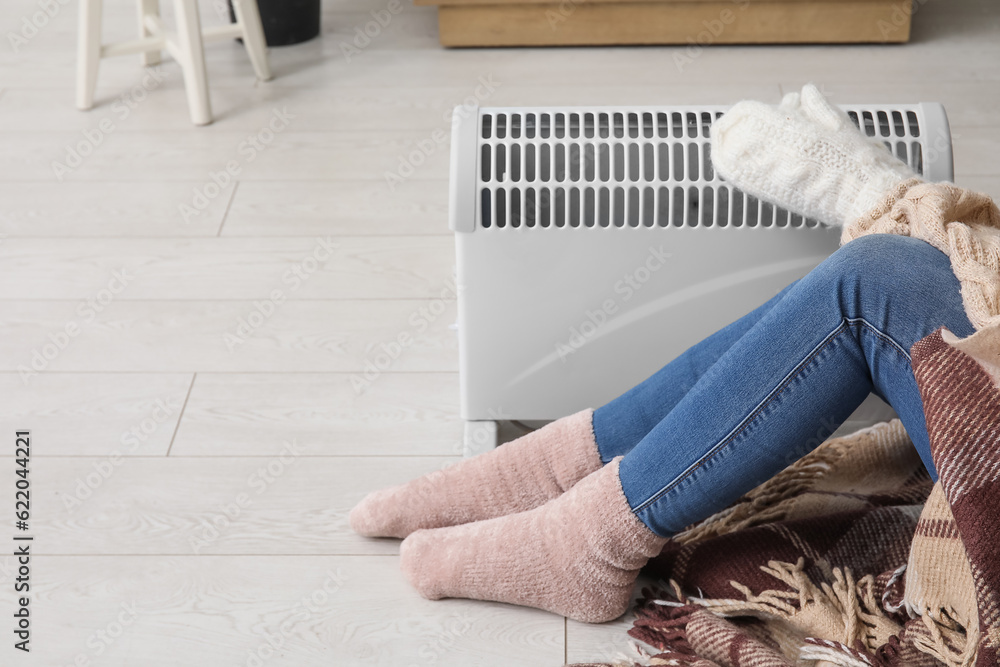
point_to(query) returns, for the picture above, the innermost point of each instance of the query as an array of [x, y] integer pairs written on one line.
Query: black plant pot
[[287, 21]]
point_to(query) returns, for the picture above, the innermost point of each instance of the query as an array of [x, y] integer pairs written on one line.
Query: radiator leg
[[480, 436]]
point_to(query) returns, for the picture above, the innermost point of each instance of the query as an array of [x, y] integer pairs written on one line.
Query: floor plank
[[133, 414], [607, 642], [396, 414], [320, 611], [975, 151], [291, 154], [52, 209], [342, 207], [325, 267], [223, 336], [285, 503], [987, 184]]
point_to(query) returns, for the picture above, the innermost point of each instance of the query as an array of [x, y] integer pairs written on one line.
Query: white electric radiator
[[596, 244]]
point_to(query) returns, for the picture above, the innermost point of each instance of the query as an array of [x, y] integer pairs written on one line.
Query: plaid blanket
[[851, 556]]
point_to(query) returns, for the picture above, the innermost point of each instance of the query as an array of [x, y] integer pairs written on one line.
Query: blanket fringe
[[851, 604], [854, 600], [845, 602], [833, 653], [948, 644]]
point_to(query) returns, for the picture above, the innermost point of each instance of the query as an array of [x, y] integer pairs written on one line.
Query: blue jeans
[[743, 404]]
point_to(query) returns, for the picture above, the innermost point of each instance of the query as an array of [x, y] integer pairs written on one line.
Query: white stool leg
[[148, 8], [88, 51], [193, 51], [248, 16]]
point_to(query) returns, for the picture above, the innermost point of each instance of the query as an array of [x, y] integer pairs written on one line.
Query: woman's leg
[[836, 335], [623, 422], [843, 331], [543, 464]]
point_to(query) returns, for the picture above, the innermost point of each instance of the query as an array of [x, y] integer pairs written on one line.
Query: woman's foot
[[804, 155], [578, 555], [514, 477]]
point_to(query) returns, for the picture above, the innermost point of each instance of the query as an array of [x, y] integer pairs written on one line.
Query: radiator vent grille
[[633, 168]]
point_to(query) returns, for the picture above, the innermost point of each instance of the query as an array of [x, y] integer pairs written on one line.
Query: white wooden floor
[[204, 483]]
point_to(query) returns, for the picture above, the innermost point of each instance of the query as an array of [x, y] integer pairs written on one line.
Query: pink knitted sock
[[514, 477], [578, 555]]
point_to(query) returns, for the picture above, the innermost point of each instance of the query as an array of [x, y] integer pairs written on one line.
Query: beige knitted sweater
[[964, 225]]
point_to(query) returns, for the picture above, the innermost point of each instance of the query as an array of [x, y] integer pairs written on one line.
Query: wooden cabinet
[[697, 23]]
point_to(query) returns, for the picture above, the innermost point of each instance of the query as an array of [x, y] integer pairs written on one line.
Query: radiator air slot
[[641, 167]]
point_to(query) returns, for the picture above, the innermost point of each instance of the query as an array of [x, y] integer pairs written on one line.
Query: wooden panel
[[667, 23]]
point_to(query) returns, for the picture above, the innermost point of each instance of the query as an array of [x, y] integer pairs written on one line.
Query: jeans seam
[[772, 395], [880, 334]]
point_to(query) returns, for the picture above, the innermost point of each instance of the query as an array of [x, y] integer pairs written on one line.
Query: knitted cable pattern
[[963, 224]]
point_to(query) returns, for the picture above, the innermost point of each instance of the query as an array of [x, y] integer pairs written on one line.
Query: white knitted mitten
[[804, 155]]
